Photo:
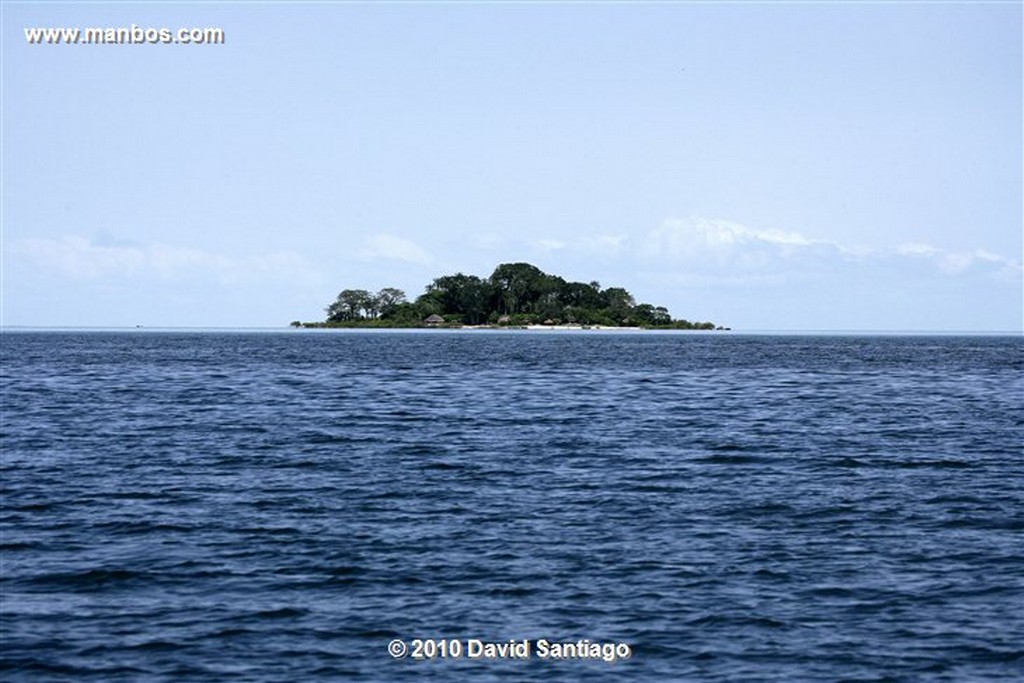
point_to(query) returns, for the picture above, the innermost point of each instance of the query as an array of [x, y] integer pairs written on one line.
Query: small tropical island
[[516, 295]]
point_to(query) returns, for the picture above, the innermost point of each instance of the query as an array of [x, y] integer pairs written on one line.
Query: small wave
[[445, 466], [928, 464], [281, 613], [846, 461], [144, 527], [832, 592], [732, 459], [135, 495], [31, 667], [157, 646], [90, 578]]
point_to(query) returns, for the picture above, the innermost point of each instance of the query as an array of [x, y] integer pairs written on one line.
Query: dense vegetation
[[515, 294]]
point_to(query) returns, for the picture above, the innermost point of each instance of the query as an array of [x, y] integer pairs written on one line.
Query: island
[[516, 295]]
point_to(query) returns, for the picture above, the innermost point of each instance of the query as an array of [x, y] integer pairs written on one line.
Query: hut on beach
[[433, 320]]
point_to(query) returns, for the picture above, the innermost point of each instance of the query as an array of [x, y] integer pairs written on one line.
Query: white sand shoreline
[[602, 328]]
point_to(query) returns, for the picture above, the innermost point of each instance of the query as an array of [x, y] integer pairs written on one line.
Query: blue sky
[[763, 166]]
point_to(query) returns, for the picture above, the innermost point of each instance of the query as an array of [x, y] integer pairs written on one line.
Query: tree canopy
[[514, 294]]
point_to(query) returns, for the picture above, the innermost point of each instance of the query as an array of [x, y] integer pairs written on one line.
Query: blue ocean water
[[282, 506]]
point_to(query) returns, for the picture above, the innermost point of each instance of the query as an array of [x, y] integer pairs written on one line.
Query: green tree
[[462, 295], [580, 295], [351, 304], [388, 300], [643, 314], [473, 300], [619, 303], [408, 314], [516, 286]]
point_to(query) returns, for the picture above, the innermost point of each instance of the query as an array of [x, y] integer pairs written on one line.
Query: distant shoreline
[[285, 329], [376, 325]]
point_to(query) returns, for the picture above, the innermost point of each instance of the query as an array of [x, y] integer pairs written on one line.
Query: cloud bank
[[701, 268], [78, 258], [718, 251]]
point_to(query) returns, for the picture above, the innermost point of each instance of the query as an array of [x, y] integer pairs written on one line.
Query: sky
[[765, 166]]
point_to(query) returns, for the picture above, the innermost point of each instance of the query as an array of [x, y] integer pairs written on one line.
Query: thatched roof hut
[[434, 319]]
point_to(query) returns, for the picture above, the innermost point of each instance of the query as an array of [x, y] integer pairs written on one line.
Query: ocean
[[476, 506]]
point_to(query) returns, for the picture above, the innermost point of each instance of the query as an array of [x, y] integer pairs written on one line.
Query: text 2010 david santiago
[[542, 648]]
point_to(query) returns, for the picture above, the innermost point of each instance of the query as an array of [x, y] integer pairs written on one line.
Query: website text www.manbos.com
[[124, 35]]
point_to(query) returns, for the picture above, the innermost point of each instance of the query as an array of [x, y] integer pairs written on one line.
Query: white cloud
[[963, 262], [724, 251], [79, 258], [959, 262], [728, 251], [591, 244], [551, 245], [699, 237], [391, 247], [605, 244], [916, 249]]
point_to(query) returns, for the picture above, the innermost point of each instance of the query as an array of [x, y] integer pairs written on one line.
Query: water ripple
[[265, 507]]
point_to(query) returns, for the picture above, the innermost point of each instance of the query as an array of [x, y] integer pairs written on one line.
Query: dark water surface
[[280, 506]]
